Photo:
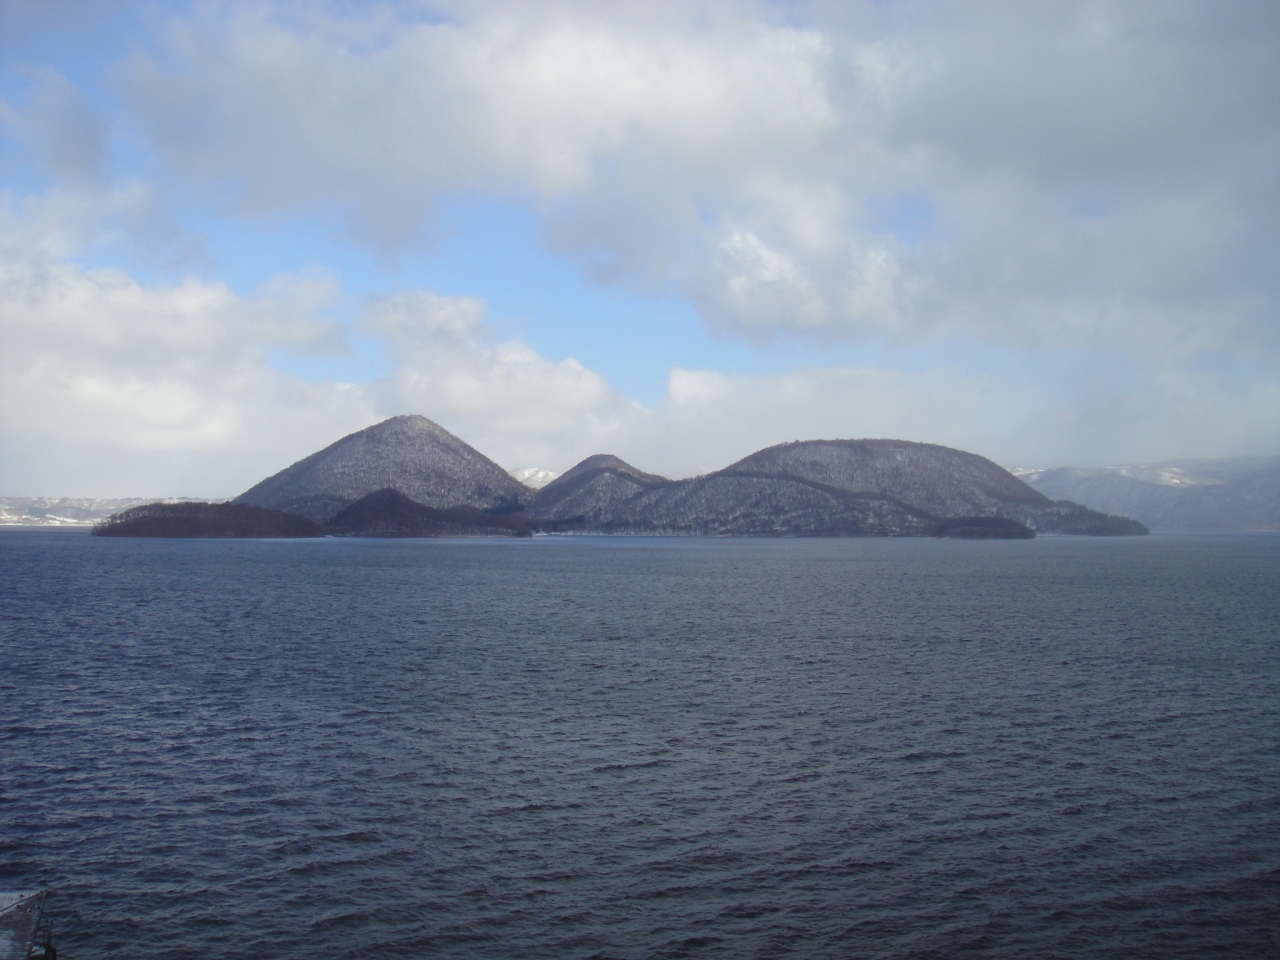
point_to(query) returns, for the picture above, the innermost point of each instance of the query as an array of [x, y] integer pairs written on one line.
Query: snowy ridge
[[534, 477], [69, 511]]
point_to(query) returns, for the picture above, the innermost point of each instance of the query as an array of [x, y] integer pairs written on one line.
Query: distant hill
[[408, 476], [384, 513], [1235, 495], [411, 454], [209, 520], [815, 488], [70, 511]]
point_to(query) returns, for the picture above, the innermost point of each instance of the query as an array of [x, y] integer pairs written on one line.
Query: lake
[[643, 747]]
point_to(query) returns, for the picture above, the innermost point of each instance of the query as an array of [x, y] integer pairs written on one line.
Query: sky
[[232, 233]]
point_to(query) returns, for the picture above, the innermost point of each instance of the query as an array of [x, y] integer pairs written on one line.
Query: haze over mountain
[[411, 454], [69, 511], [1238, 494]]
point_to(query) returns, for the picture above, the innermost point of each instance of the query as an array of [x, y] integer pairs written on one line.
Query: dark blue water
[[644, 748]]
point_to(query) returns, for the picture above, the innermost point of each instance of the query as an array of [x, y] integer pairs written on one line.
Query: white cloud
[[501, 396], [1100, 171], [710, 420], [94, 360], [1008, 180], [86, 208], [112, 387]]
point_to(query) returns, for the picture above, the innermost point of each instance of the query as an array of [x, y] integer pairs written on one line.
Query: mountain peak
[[534, 477], [406, 423], [410, 453], [607, 461]]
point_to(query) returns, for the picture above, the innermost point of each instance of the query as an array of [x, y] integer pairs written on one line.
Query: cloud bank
[[1058, 223], [1039, 174], [113, 387]]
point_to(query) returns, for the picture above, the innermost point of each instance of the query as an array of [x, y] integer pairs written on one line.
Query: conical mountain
[[411, 454], [605, 463], [590, 492]]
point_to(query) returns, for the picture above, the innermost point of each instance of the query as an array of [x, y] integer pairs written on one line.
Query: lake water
[[627, 748]]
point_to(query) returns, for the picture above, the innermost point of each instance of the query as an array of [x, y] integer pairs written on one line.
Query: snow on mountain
[[813, 488], [411, 454], [69, 511], [805, 488], [1238, 494], [534, 477]]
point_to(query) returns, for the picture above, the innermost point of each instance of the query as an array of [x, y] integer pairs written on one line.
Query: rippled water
[[644, 748]]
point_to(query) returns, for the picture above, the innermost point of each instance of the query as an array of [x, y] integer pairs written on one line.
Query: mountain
[[1235, 495], [410, 454], [590, 494], [534, 477], [217, 520], [410, 477], [384, 513], [938, 480], [816, 488], [69, 511]]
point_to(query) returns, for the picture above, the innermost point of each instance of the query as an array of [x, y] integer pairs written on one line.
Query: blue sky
[[233, 232]]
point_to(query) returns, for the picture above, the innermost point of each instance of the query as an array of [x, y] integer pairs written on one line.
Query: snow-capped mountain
[[534, 477], [1239, 494], [68, 511]]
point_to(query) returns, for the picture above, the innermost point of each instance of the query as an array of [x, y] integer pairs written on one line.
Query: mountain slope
[[939, 480], [411, 454], [1240, 494], [812, 488], [591, 494], [942, 482], [389, 513], [724, 505]]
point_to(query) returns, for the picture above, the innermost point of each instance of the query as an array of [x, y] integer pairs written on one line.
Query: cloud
[[113, 387], [66, 136], [1080, 200], [710, 420], [95, 361], [20, 18], [1096, 172], [501, 396], [87, 207]]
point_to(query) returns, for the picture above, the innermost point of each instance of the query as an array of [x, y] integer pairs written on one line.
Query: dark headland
[[409, 477]]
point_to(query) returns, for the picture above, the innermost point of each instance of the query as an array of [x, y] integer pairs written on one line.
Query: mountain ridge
[[408, 476], [814, 488], [1239, 494]]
